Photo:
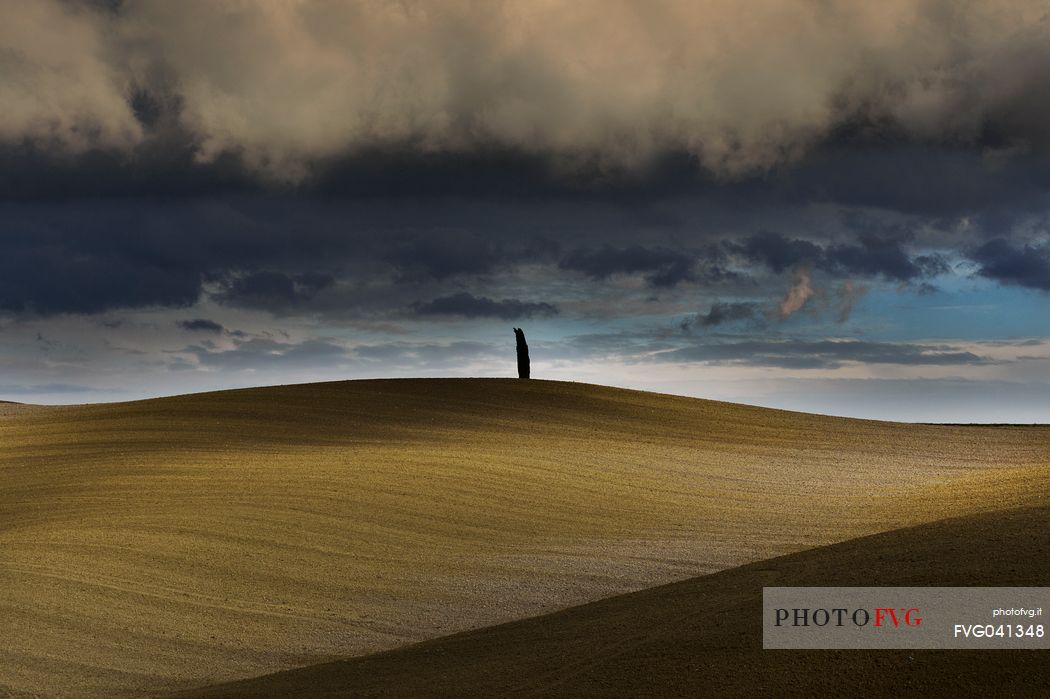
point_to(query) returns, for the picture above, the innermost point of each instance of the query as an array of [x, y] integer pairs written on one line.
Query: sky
[[818, 205]]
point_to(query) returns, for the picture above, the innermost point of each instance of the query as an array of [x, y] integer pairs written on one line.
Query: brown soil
[[703, 637]]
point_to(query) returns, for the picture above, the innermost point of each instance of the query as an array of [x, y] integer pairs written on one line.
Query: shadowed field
[[177, 542], [703, 637]]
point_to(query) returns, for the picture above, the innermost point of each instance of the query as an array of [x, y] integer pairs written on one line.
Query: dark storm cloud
[[293, 254], [818, 354], [881, 250], [446, 255], [271, 254], [872, 255], [201, 325], [152, 169], [1023, 265], [923, 107], [91, 257], [53, 274], [720, 313], [272, 290], [662, 267], [777, 252], [469, 306], [157, 137], [926, 180]]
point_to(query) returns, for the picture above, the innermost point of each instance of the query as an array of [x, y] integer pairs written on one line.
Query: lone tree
[[523, 354]]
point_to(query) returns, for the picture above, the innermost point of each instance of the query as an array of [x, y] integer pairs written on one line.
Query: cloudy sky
[[821, 205]]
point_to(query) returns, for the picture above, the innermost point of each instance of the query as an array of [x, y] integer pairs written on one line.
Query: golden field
[[703, 636], [180, 542]]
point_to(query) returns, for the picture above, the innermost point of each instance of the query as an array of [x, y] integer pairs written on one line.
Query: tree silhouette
[[523, 353]]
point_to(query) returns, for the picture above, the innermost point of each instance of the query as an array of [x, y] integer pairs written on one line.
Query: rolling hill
[[177, 542], [703, 637]]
